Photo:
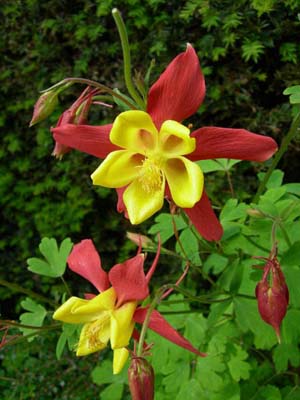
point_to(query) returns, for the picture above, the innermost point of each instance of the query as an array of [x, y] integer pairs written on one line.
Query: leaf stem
[[126, 58], [283, 147], [17, 288]]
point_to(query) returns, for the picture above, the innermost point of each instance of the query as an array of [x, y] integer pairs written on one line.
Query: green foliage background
[[249, 52]]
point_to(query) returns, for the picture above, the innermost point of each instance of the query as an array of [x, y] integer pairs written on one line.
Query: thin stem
[[152, 306], [66, 286], [126, 57], [17, 288], [104, 88], [6, 322], [283, 147]]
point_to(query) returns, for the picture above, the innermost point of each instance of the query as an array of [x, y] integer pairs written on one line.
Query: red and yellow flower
[[111, 315], [151, 155]]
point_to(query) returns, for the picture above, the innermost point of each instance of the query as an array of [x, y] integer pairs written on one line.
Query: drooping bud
[[44, 106], [272, 295], [140, 240], [141, 379]]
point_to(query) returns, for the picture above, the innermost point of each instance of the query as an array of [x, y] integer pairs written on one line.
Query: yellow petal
[[122, 325], [94, 335], [118, 169], [175, 140], [185, 180], [142, 201], [134, 130], [120, 358], [79, 311]]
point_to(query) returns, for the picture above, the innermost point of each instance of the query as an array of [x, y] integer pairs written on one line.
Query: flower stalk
[[126, 58]]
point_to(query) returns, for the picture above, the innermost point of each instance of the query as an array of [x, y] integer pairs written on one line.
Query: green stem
[[284, 145], [152, 306], [104, 88], [66, 286], [126, 57], [17, 288], [7, 322]]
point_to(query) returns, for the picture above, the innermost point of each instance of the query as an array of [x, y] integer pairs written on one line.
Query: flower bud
[[273, 298], [255, 213], [44, 106], [141, 379], [140, 240]]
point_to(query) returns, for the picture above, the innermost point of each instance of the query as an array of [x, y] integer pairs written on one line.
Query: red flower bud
[[141, 379], [273, 297]]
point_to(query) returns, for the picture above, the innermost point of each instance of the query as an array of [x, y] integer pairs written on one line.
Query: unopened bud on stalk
[[141, 379], [140, 240], [44, 106], [273, 296], [253, 212]]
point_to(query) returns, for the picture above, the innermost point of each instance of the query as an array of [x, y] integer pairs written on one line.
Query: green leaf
[[292, 255], [221, 164], [292, 277], [215, 263], [238, 367], [56, 259], [34, 317], [211, 369], [113, 391], [285, 353], [248, 318], [123, 106], [164, 226], [252, 49], [103, 374], [293, 188], [70, 336], [190, 390], [270, 392], [233, 211], [190, 245]]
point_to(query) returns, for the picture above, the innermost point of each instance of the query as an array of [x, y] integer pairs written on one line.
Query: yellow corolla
[[147, 160], [103, 321]]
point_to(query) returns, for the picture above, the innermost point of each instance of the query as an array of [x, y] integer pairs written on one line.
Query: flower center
[[150, 176], [96, 335]]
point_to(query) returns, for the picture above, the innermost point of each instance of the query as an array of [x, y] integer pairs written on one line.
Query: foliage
[[41, 197]]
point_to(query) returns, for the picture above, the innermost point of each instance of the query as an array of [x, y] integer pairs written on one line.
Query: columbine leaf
[[238, 367], [164, 226], [190, 245], [222, 164], [285, 353], [34, 317], [56, 259]]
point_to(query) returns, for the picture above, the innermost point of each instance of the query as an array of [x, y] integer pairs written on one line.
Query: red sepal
[[213, 142], [204, 219], [85, 261], [89, 139], [129, 280], [179, 91], [159, 325]]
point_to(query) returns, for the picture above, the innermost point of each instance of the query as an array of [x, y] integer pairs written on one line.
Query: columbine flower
[[111, 315], [150, 154], [272, 297]]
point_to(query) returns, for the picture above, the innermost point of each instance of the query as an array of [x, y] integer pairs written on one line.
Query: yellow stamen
[[150, 176]]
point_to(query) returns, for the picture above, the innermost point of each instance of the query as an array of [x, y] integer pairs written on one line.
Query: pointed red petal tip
[[129, 280], [155, 261], [84, 260], [89, 139], [205, 220], [215, 142], [179, 91], [159, 325]]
